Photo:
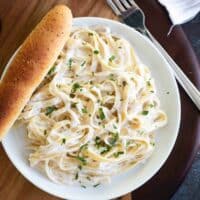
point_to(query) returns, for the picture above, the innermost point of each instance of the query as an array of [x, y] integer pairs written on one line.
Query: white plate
[[15, 145]]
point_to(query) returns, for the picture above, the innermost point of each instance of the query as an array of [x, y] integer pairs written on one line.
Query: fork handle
[[184, 81]]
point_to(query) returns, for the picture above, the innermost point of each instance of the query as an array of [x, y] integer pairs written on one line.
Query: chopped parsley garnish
[[124, 83], [89, 115], [76, 176], [145, 112], [80, 167], [113, 139], [75, 87], [167, 92], [111, 58], [70, 63], [117, 154], [100, 144], [84, 110], [50, 109], [83, 186], [83, 147], [96, 185], [97, 141], [114, 126], [72, 95], [81, 159], [83, 63], [148, 83], [152, 143], [152, 91], [90, 34], [101, 114], [151, 105], [128, 143], [96, 52], [111, 77], [51, 70], [105, 149], [63, 140], [88, 178], [73, 105], [141, 132]]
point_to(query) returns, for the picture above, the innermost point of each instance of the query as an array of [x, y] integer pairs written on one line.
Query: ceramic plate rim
[[124, 191]]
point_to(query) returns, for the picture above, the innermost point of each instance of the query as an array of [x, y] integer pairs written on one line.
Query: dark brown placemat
[[166, 181]]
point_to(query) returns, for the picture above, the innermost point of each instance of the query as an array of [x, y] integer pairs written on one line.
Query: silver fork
[[132, 15]]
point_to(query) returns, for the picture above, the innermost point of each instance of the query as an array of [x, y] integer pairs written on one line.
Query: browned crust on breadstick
[[32, 62]]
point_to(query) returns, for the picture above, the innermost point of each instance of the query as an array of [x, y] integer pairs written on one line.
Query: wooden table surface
[[17, 19]]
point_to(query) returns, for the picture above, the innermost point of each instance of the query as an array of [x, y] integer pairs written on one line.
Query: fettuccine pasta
[[95, 113]]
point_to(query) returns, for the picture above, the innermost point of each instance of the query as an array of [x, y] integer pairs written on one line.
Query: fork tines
[[121, 6]]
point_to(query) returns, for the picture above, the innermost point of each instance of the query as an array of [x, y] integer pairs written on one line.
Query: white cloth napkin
[[181, 11]]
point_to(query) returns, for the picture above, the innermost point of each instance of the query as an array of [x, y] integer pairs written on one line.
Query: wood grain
[[18, 18]]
